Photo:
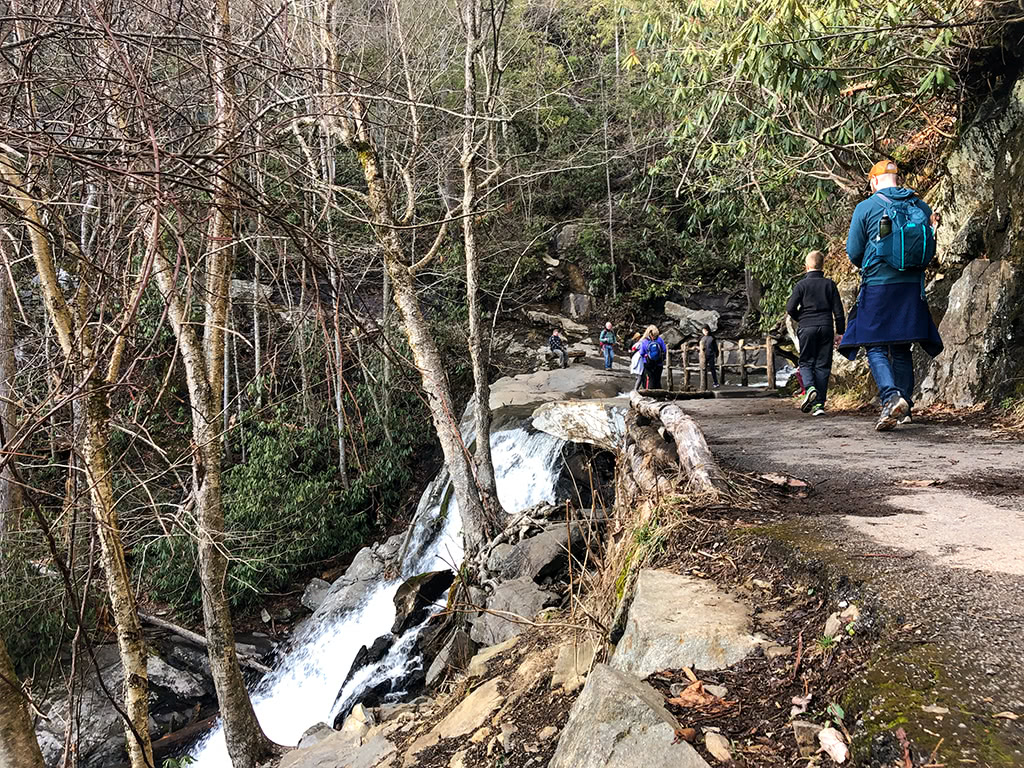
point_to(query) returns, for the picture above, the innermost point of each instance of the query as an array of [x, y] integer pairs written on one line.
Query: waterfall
[[303, 690]]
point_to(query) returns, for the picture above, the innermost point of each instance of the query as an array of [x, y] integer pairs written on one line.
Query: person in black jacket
[[816, 306], [710, 346]]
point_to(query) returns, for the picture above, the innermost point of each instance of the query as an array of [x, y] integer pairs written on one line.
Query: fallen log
[[644, 472], [695, 457], [196, 639]]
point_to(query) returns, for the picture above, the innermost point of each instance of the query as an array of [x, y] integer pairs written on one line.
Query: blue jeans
[[892, 368], [609, 355]]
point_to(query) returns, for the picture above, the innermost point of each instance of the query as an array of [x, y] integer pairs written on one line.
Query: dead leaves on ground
[[696, 698]]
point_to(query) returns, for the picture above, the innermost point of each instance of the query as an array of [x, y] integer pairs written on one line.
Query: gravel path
[[943, 504]]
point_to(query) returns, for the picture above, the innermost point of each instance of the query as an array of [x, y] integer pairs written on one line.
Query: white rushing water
[[303, 690]]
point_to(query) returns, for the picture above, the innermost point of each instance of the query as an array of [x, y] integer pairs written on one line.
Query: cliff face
[[980, 294]]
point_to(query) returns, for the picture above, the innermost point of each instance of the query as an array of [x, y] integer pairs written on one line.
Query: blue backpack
[[910, 246], [654, 352]]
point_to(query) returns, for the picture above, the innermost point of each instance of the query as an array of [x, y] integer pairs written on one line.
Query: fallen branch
[[799, 656], [196, 639]]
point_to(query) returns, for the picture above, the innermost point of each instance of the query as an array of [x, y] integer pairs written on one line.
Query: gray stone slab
[[679, 621], [622, 722]]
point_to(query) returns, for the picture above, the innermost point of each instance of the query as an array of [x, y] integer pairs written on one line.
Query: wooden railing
[[685, 362]]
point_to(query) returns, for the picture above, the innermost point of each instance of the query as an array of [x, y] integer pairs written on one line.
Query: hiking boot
[[893, 412], [818, 410], [906, 419], [809, 397]]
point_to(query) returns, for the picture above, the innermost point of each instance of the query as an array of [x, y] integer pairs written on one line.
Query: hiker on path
[[709, 344], [891, 241], [636, 361], [557, 345], [654, 351], [607, 340], [816, 306]]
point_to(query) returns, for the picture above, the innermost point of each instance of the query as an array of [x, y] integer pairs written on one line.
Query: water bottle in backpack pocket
[[905, 240]]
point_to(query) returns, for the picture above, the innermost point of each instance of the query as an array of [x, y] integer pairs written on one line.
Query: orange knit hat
[[882, 167]]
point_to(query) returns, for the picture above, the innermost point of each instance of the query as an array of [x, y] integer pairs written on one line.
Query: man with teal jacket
[[891, 313], [607, 340]]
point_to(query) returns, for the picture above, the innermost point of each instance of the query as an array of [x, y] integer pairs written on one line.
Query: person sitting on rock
[[607, 340], [710, 346], [654, 352], [816, 306], [891, 312], [557, 345]]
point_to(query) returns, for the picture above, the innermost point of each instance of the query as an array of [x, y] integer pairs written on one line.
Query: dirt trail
[[931, 517]]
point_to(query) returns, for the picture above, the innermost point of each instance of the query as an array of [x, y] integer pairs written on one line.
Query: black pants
[[713, 370], [652, 376], [816, 358]]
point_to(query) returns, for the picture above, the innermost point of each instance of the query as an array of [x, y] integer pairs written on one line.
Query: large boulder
[[557, 321], [690, 321], [983, 324], [539, 557], [584, 421], [175, 694], [679, 621], [673, 336], [338, 750], [578, 306], [315, 593], [517, 598], [622, 722], [455, 655]]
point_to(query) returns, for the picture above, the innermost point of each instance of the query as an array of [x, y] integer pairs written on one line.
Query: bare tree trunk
[[18, 745], [204, 366], [130, 641], [10, 492], [246, 742], [75, 337], [479, 351]]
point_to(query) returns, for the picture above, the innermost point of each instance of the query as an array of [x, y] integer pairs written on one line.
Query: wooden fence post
[[721, 365], [668, 368], [744, 379], [702, 360], [769, 357], [686, 365]]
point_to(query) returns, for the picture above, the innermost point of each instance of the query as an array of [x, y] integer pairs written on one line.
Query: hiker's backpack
[[654, 352], [910, 246]]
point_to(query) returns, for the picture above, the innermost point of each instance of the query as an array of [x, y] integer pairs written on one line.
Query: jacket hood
[[898, 193]]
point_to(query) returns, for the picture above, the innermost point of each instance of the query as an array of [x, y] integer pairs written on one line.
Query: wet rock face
[[982, 328], [414, 598], [370, 566]]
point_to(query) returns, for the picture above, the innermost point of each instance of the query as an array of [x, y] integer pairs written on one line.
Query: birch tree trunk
[[18, 745], [475, 522], [204, 370], [479, 351], [75, 337], [10, 493], [246, 742]]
